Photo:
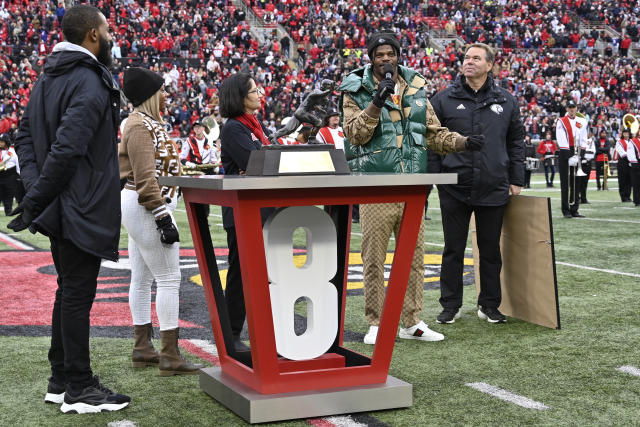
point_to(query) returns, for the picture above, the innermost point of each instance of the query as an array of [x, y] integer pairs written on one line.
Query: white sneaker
[[420, 332], [371, 336]]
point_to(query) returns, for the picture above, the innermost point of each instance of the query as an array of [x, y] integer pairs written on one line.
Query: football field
[[587, 373]]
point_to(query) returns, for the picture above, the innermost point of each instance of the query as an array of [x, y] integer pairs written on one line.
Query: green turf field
[[572, 371]]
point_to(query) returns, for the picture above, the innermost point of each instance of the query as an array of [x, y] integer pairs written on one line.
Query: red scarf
[[251, 121]]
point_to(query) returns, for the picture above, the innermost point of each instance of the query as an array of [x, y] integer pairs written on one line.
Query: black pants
[[527, 178], [233, 294], [567, 183], [77, 282], [599, 174], [455, 224], [549, 169], [635, 182], [8, 183], [584, 180], [624, 179]]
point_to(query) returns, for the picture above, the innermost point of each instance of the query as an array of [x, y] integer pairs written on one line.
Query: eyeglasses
[[257, 90]]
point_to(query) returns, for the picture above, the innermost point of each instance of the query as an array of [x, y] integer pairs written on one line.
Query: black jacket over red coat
[[484, 176], [68, 150]]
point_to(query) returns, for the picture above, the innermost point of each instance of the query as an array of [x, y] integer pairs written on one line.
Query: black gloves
[[474, 142], [168, 231], [22, 221], [385, 88]]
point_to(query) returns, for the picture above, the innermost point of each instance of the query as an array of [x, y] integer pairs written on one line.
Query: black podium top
[[235, 182]]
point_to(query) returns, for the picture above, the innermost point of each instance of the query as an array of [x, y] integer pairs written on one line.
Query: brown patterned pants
[[378, 221]]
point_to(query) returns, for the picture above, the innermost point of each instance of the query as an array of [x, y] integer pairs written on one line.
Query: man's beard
[[104, 54]]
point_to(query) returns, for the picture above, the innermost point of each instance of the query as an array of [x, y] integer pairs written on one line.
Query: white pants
[[151, 259]]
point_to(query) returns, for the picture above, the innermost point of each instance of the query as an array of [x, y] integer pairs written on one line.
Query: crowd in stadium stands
[[194, 44]]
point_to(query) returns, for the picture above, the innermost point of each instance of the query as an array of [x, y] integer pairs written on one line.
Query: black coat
[[484, 176], [68, 150], [236, 144]]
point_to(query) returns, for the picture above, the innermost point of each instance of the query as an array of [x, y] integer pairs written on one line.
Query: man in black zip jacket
[[68, 151], [473, 105]]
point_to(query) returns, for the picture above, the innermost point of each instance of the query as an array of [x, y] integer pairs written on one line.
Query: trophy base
[[256, 407]]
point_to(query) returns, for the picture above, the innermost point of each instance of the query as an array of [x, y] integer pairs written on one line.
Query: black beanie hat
[[139, 84], [379, 39]]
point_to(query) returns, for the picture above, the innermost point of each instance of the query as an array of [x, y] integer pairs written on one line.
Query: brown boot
[[171, 361], [143, 352]]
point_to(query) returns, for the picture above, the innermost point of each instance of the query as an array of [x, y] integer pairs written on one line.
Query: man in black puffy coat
[[67, 146], [475, 105]]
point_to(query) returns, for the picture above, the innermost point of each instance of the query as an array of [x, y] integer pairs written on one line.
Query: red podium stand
[[258, 385]]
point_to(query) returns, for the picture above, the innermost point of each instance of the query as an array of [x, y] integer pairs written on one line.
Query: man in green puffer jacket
[[388, 124]]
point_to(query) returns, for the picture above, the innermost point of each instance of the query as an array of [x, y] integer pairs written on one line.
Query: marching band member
[[8, 174], [198, 150], [587, 165], [547, 149], [530, 160], [602, 157], [633, 155], [332, 132], [622, 165], [571, 133]]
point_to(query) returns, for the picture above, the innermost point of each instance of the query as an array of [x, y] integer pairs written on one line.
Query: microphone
[[388, 70]]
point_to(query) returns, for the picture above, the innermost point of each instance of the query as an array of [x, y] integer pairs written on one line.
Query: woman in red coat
[[547, 149]]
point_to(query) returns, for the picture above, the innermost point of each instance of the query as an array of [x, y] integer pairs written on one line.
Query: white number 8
[[311, 281]]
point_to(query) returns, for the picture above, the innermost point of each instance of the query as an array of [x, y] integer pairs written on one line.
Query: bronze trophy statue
[[312, 110]]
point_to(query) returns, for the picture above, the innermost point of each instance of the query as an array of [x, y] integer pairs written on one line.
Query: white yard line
[[627, 221], [205, 345], [344, 421], [590, 201], [601, 270], [628, 369], [16, 244], [507, 396]]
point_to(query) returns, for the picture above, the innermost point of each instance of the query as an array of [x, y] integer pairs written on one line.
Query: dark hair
[[233, 90], [78, 21]]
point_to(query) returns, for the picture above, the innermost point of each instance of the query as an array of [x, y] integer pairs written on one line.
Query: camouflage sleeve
[[440, 139], [358, 126]]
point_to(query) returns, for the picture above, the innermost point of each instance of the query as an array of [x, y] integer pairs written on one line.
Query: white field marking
[[628, 221], [10, 241], [628, 369], [507, 396], [590, 201], [344, 421], [122, 423], [206, 346], [601, 270]]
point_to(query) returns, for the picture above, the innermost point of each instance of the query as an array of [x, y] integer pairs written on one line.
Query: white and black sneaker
[[420, 332], [55, 392], [491, 315], [448, 315], [93, 398]]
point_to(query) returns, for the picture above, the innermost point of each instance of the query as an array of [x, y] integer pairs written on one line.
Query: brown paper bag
[[528, 277]]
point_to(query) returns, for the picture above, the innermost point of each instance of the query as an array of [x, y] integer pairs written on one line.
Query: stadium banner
[[528, 276]]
